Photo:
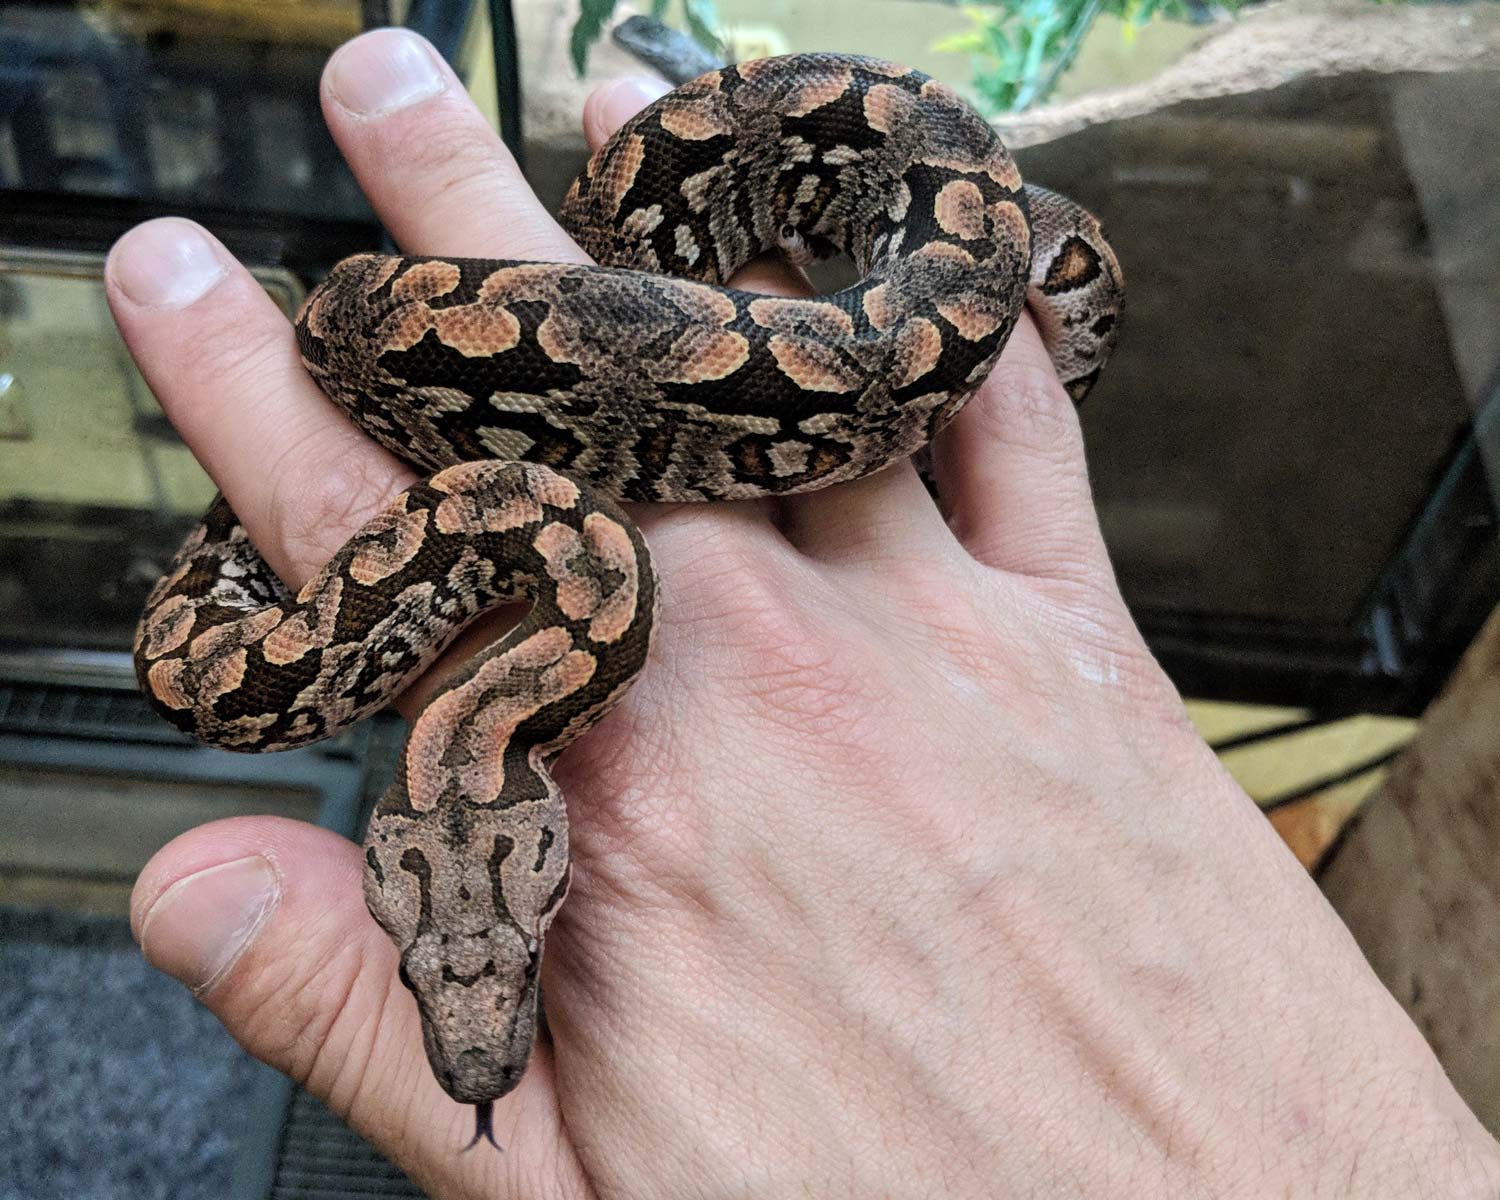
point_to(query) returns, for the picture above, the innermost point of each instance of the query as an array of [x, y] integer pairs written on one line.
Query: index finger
[[221, 359]]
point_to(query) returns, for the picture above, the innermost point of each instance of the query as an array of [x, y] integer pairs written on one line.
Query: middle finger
[[438, 176]]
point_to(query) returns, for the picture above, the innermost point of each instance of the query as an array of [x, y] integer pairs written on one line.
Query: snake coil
[[540, 395]]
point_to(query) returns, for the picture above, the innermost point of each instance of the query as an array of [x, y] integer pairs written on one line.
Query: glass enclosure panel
[[96, 489], [204, 104]]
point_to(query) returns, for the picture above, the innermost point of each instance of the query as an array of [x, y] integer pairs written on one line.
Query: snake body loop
[[540, 394]]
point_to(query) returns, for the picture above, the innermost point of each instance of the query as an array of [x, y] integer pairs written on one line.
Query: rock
[[670, 52]]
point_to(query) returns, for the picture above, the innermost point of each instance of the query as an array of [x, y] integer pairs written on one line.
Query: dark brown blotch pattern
[[609, 383]]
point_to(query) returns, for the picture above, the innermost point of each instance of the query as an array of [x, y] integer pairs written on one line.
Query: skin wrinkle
[[1025, 407], [452, 164], [314, 506], [870, 702], [1021, 408], [767, 926], [665, 879], [308, 1041], [603, 1039], [348, 1079], [726, 580], [668, 851], [337, 982], [265, 361], [860, 535], [713, 1022], [953, 628], [1044, 989], [803, 686], [388, 1019], [265, 1014], [858, 986], [224, 351], [628, 814]]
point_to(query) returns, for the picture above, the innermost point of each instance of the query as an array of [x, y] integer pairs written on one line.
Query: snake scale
[[540, 395]]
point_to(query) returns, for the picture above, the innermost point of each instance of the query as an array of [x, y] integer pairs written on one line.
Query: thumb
[[264, 920]]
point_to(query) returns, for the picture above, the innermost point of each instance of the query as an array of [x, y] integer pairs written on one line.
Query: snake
[[539, 396]]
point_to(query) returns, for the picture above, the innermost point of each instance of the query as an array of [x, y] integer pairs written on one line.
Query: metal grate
[[321, 1158], [55, 709]]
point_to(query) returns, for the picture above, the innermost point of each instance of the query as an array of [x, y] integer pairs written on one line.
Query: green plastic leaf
[[592, 14], [1021, 48], [702, 20], [969, 42]]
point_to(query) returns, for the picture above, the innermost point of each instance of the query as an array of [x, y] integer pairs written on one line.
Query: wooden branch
[[1417, 879]]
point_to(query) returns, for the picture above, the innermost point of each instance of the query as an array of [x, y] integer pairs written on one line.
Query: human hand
[[900, 873]]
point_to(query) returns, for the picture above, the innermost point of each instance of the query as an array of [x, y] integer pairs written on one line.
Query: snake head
[[477, 993], [468, 916]]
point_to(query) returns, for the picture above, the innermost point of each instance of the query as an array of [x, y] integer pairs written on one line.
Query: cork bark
[[1417, 878]]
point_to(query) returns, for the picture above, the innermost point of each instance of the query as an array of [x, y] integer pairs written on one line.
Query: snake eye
[[788, 232]]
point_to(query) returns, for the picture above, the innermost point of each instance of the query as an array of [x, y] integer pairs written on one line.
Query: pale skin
[[900, 873]]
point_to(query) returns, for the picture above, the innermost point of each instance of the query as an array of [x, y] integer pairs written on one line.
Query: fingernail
[[644, 88], [383, 70], [628, 96], [199, 927], [167, 263]]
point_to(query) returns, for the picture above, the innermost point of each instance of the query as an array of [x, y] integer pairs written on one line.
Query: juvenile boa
[[540, 394]]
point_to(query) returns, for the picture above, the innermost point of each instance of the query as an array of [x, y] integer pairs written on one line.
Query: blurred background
[[1293, 455]]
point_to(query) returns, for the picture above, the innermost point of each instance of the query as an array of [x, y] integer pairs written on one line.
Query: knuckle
[[463, 167], [321, 496], [241, 352], [796, 681], [303, 1021], [1024, 405], [1090, 639], [444, 145], [719, 569], [458, 176], [455, 170], [736, 602], [787, 670], [1121, 665], [875, 533]]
